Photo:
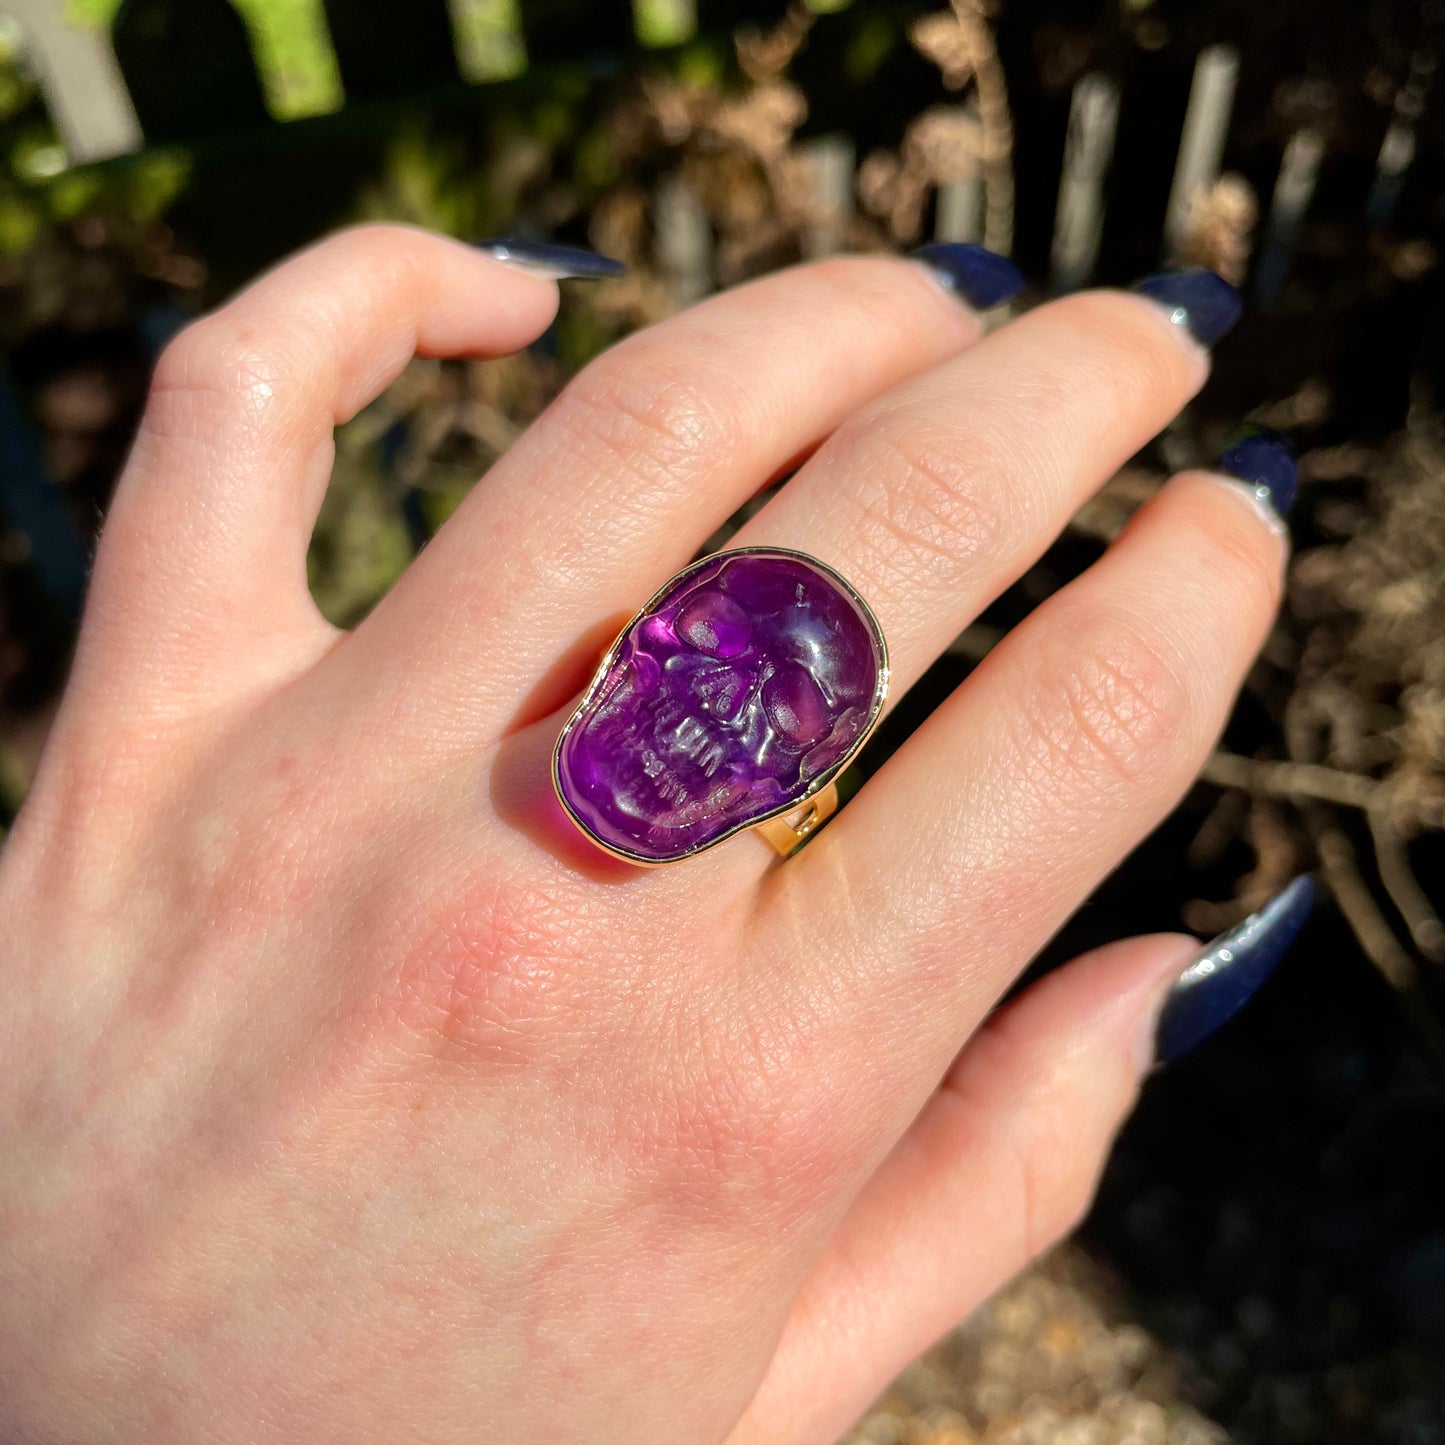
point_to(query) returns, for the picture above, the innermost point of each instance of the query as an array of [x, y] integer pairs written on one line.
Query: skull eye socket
[[713, 623], [795, 705]]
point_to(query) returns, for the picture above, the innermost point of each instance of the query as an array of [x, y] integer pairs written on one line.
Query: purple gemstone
[[736, 693]]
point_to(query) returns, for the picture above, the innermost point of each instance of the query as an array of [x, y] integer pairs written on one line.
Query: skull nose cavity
[[795, 705], [723, 690], [713, 623]]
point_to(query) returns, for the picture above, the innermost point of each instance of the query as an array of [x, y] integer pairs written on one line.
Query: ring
[[732, 700]]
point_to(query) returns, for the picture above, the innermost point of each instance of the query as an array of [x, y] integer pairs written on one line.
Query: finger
[[1003, 1160], [639, 460], [963, 854], [1000, 1164], [203, 563], [939, 495]]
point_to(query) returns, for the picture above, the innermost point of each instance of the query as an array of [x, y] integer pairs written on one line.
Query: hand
[[349, 1095]]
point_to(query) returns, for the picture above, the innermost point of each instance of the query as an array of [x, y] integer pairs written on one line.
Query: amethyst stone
[[745, 684]]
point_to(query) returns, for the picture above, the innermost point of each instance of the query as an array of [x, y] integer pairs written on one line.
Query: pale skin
[[349, 1095]]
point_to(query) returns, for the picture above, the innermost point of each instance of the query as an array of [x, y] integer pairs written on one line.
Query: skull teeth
[[695, 744]]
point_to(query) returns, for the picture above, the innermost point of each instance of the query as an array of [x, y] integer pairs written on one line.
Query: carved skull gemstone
[[737, 693]]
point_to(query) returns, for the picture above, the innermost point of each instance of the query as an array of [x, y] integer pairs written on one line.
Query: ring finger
[[1057, 755]]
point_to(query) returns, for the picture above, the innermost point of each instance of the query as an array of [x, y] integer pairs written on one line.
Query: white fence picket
[[488, 39], [1079, 221], [831, 162], [1294, 189], [1201, 144], [660, 23], [80, 79], [959, 206], [959, 215], [1397, 150], [684, 239]]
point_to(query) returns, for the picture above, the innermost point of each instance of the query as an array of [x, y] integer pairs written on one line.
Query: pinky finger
[[1002, 1162]]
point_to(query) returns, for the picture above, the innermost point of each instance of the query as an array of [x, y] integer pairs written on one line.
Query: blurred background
[[1266, 1260]]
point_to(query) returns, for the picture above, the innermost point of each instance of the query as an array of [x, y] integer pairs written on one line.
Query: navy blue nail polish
[[559, 263], [1264, 461], [1195, 298], [977, 276], [1228, 972]]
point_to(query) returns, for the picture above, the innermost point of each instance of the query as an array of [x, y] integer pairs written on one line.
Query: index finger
[[204, 551]]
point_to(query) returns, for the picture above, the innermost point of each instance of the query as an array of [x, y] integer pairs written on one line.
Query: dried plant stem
[[1357, 903], [976, 641], [1393, 861], [1292, 780], [996, 137], [1223, 823], [1329, 785], [1342, 872]]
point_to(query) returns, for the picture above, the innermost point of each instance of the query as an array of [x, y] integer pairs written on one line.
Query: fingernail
[[973, 274], [1228, 972], [558, 263], [1204, 303], [1263, 461]]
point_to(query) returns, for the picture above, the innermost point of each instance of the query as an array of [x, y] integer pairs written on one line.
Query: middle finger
[[620, 482]]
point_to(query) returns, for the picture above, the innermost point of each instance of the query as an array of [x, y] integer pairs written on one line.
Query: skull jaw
[[655, 803]]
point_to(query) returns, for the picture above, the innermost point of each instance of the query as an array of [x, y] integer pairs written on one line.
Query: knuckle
[[663, 421], [488, 971], [887, 297], [1133, 353], [233, 372], [836, 279], [215, 375], [1054, 1185], [935, 503], [375, 239], [91, 807], [1107, 709], [1231, 543], [383, 256], [840, 274], [1045, 1164], [746, 1107], [1050, 1162]]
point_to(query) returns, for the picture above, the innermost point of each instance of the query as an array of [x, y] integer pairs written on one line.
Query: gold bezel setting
[[767, 823]]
